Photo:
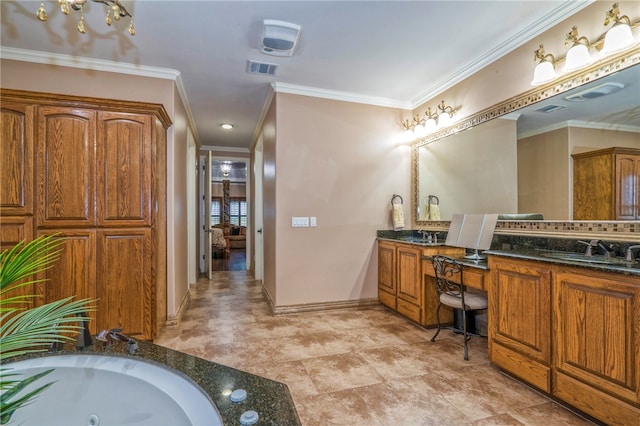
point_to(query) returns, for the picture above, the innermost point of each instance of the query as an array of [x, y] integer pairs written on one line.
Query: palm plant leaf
[[25, 260], [31, 330], [23, 330], [10, 406]]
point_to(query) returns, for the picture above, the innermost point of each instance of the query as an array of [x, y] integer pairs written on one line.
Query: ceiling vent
[[279, 38], [595, 92], [261, 68], [549, 108]]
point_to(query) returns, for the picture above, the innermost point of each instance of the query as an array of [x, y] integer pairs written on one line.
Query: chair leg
[[433, 339], [464, 332]]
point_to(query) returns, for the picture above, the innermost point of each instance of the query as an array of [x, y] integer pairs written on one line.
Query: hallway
[[355, 366]]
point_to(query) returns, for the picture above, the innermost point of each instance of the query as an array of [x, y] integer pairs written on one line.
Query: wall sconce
[[578, 55], [545, 70], [439, 118], [225, 168], [618, 38]]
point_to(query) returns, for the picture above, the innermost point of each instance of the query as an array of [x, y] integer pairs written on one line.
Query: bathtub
[[91, 390]]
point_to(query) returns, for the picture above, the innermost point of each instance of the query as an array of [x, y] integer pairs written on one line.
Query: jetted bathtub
[[91, 390]]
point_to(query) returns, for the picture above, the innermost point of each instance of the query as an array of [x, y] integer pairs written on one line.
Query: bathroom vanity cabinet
[[93, 172], [571, 332], [606, 184], [401, 280]]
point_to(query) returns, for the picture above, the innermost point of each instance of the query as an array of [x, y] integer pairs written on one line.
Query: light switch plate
[[314, 222], [299, 222]]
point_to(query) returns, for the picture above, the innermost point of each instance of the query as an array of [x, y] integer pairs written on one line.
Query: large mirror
[[521, 163]]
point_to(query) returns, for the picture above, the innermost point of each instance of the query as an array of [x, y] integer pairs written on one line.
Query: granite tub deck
[[270, 399]]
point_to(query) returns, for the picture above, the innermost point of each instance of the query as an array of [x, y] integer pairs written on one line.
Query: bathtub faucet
[[115, 334], [83, 339]]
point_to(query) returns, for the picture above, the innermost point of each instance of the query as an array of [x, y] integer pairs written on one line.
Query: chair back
[[447, 270]]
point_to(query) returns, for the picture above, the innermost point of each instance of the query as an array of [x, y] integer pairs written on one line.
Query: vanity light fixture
[[545, 70], [113, 7], [419, 127], [446, 114], [432, 119], [618, 38], [578, 55]]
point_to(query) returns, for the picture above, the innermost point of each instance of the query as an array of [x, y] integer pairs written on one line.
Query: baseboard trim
[[324, 306], [174, 320]]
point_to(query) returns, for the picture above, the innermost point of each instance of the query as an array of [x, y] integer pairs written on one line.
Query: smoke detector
[[595, 92], [279, 38]]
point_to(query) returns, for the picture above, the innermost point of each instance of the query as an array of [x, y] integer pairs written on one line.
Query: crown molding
[[551, 19], [339, 96], [71, 61], [58, 59], [581, 125]]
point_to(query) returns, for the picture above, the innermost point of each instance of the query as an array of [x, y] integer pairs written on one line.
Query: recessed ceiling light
[[227, 126]]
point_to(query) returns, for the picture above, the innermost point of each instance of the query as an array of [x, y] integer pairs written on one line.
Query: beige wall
[[269, 201], [543, 175], [339, 162], [101, 84]]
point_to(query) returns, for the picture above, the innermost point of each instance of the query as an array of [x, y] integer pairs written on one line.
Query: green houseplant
[[25, 328]]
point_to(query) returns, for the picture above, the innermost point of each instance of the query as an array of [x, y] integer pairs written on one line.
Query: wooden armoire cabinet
[[93, 172], [606, 184]]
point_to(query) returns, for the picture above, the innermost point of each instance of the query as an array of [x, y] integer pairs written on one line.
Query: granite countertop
[[596, 263], [558, 252], [270, 399]]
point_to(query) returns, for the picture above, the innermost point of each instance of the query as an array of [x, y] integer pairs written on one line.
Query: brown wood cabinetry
[[606, 184], [387, 274], [597, 343], [98, 172], [403, 284], [520, 319], [572, 332]]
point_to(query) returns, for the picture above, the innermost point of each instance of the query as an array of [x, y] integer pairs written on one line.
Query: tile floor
[[355, 366]]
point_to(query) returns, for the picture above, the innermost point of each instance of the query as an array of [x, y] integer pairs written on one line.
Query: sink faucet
[[608, 249], [629, 257], [424, 234], [115, 334], [590, 245]]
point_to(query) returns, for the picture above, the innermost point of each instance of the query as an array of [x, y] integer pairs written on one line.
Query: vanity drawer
[[387, 299], [473, 278], [409, 310]]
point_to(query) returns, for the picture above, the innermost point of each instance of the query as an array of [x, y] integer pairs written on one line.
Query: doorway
[[230, 212]]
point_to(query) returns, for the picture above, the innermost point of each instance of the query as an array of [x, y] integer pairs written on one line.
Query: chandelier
[[114, 8], [225, 168]]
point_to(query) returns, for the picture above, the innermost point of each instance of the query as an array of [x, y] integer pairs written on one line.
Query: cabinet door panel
[[597, 324], [14, 230], [520, 305], [387, 267], [65, 167], [74, 273], [409, 274], [628, 181], [16, 152], [124, 284], [124, 174]]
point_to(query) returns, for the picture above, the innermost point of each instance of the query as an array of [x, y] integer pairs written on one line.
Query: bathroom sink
[[420, 240], [578, 257]]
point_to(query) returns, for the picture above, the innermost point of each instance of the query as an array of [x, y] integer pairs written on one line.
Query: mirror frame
[[599, 69]]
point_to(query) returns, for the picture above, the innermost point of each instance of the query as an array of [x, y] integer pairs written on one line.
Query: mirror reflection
[[521, 163]]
